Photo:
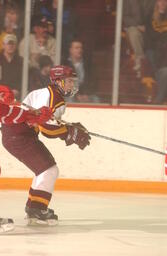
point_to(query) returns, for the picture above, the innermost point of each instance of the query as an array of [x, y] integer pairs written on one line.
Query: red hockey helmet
[[59, 76], [7, 95]]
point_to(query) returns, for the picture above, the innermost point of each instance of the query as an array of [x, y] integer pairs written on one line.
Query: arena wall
[[112, 165]]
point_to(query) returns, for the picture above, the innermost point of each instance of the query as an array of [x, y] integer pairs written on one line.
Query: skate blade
[[37, 222], [6, 227]]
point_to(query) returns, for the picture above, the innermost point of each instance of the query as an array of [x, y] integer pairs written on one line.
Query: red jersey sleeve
[[11, 114]]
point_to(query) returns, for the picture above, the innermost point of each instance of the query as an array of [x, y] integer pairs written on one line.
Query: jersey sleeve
[[12, 114]]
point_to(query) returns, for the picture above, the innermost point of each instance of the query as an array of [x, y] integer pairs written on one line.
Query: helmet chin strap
[[68, 93], [60, 88]]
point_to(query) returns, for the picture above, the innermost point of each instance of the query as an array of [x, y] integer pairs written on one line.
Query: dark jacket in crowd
[[37, 80], [135, 11], [11, 72]]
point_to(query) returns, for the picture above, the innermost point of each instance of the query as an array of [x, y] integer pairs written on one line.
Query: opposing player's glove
[[39, 116], [77, 134]]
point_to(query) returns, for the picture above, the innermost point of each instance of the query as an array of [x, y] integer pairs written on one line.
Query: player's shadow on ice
[[150, 226], [86, 225]]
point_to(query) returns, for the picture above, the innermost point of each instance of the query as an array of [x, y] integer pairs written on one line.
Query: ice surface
[[100, 224]]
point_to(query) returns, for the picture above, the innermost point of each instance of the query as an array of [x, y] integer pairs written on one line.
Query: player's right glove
[[39, 116], [77, 134], [45, 114]]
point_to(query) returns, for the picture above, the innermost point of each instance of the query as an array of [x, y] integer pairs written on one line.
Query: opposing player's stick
[[106, 137]]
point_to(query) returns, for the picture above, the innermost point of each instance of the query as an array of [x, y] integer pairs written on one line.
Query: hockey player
[[62, 84], [12, 114]]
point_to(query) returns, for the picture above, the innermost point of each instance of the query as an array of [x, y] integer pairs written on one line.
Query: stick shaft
[[127, 143]]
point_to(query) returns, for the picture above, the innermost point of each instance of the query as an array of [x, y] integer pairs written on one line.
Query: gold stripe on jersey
[[55, 132], [58, 105], [56, 100], [51, 96], [39, 199]]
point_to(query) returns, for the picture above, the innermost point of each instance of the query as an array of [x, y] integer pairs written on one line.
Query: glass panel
[[88, 45], [87, 39], [143, 55], [91, 49], [88, 35], [91, 27], [42, 43]]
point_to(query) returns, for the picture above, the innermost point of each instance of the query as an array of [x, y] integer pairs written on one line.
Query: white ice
[[90, 224]]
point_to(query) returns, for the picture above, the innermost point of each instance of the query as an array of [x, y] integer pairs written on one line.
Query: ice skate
[[38, 217], [6, 225]]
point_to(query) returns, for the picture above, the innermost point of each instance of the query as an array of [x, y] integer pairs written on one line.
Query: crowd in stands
[[144, 23], [42, 50]]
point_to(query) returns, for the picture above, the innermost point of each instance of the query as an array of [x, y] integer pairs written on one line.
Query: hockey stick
[[127, 143], [119, 141], [108, 138]]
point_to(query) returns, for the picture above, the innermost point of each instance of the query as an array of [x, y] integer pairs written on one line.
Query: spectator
[[11, 24], [38, 78], [82, 67], [157, 45], [41, 43], [70, 29], [134, 14], [11, 64]]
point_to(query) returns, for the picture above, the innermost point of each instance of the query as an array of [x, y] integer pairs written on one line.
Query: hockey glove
[[77, 134], [39, 116], [80, 126], [45, 114]]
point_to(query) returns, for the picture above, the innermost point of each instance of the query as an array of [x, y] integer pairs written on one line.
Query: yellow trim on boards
[[90, 185]]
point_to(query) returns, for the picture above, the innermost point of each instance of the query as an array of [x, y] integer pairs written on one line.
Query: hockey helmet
[[65, 79], [7, 95]]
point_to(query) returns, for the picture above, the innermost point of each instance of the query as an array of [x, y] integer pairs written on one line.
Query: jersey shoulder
[[56, 100], [38, 98]]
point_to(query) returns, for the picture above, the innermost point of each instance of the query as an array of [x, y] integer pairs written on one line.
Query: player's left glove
[[77, 134]]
